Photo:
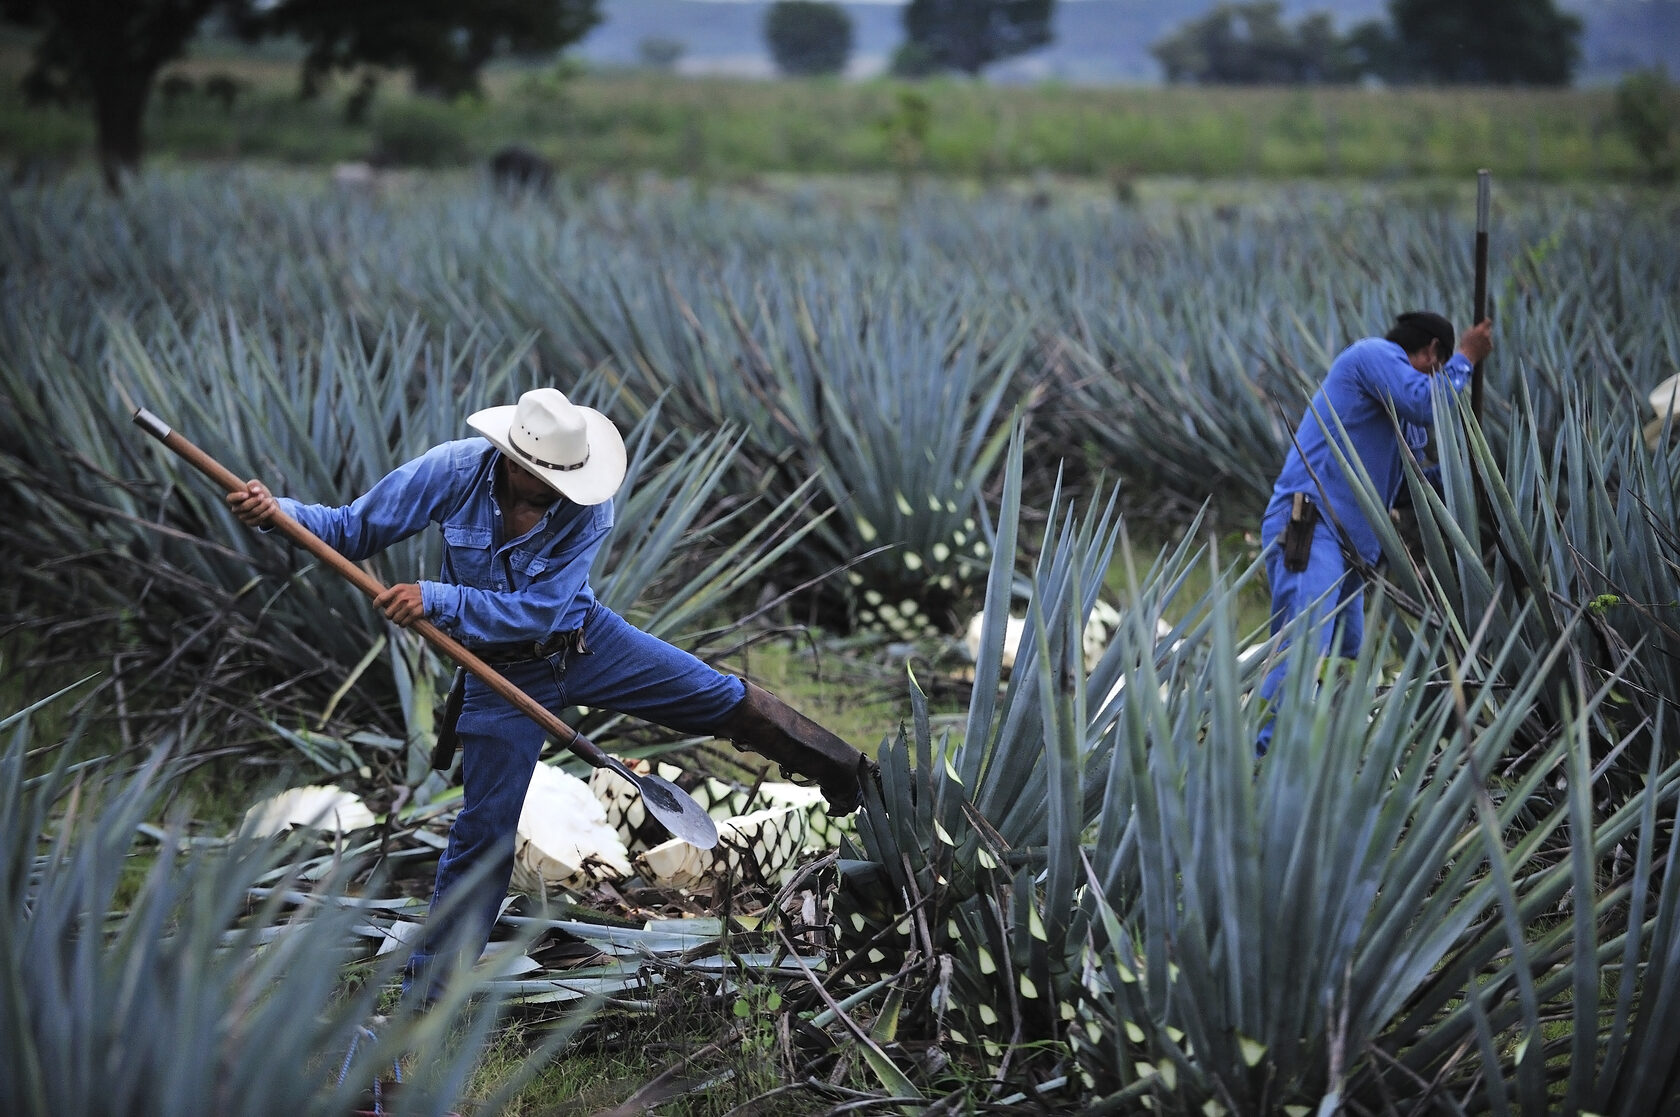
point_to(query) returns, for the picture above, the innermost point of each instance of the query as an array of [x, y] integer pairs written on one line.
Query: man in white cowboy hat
[[523, 511]]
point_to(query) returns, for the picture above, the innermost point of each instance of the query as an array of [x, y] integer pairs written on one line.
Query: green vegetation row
[[1448, 886], [724, 129], [828, 346], [1429, 895]]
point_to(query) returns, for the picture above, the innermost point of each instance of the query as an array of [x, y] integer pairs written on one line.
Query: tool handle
[[1484, 198], [570, 738]]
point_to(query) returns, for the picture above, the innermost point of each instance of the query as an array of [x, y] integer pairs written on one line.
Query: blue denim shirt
[[1363, 381], [491, 589]]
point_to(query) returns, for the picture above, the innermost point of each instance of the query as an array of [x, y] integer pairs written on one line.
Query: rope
[[364, 1032]]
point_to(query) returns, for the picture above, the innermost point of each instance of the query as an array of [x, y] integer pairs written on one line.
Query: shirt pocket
[[468, 555], [527, 565]]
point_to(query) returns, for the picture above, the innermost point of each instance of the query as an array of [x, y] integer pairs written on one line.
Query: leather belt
[[501, 655]]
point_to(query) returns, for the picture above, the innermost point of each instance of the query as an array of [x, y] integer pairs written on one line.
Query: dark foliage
[[517, 168], [1493, 42], [1249, 44], [967, 35], [1646, 113], [808, 37], [442, 44], [109, 51], [660, 52]]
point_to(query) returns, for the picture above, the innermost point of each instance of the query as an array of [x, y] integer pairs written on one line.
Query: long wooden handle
[[1484, 197], [580, 745]]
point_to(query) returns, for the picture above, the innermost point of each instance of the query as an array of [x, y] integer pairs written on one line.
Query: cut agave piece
[[764, 845], [563, 838], [1665, 401], [639, 832], [623, 809], [1665, 397], [320, 807], [1099, 630]]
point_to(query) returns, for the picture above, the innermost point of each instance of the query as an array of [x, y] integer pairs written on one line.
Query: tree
[[442, 43], [1248, 44], [1321, 54], [1645, 114], [659, 52], [1371, 49], [966, 35], [1495, 42], [109, 52], [808, 36]]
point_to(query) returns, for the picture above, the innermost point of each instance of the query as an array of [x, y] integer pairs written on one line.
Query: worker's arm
[[1388, 374], [400, 504]]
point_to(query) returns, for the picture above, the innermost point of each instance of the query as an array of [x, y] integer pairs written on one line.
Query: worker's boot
[[764, 724]]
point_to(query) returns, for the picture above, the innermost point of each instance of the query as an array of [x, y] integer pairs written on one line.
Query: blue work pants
[[615, 666], [1334, 594]]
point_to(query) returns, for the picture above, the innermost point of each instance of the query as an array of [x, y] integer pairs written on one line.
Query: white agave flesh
[[563, 837], [1099, 630], [1665, 397], [319, 806]]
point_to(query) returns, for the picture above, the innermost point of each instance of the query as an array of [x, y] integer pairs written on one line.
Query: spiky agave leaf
[[1244, 940], [967, 834], [889, 403], [325, 420], [1582, 538], [146, 980]]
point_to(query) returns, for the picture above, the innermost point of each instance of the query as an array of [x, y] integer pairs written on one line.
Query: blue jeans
[[1334, 594], [616, 667]]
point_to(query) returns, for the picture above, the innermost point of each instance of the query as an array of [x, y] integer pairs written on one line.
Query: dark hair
[[1415, 329]]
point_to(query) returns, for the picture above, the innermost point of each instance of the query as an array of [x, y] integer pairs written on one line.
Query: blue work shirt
[[1363, 381], [491, 589]]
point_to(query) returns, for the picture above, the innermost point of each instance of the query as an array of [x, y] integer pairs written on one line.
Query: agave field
[[1073, 889]]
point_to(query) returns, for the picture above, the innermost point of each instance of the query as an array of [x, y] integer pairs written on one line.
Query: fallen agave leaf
[[320, 807]]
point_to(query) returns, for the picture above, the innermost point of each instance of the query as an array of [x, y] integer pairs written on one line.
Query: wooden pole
[[1484, 193]]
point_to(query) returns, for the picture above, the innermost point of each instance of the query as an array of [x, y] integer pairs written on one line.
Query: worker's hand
[[253, 504], [1477, 342], [402, 604]]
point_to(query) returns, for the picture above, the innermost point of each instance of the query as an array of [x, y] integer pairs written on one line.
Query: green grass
[[630, 121], [714, 1057]]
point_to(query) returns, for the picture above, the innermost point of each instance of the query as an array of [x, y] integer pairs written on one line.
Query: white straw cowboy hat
[[577, 450]]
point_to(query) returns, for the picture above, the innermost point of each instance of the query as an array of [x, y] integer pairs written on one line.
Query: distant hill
[[1096, 40]]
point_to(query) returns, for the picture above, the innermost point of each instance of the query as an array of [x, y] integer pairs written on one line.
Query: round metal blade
[[677, 811]]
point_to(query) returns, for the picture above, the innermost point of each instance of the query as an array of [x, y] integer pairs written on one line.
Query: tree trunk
[[119, 108], [119, 46]]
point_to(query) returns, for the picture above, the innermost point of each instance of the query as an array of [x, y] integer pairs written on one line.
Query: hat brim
[[591, 483]]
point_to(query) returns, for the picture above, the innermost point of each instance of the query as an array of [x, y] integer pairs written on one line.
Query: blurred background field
[[720, 128]]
